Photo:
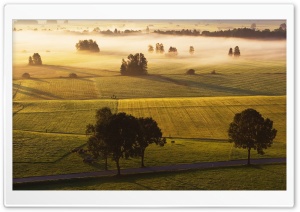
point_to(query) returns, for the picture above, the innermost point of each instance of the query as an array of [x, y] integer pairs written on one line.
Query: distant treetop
[[35, 59], [87, 45]]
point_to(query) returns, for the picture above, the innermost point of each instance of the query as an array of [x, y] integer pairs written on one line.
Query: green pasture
[[206, 118], [98, 78], [37, 154], [257, 177]]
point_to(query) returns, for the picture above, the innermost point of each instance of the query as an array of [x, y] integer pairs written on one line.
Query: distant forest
[[239, 32]]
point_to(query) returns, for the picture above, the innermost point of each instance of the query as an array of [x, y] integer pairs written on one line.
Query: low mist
[[57, 47]]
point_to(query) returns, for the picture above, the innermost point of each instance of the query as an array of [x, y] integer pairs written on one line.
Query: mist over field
[[57, 47]]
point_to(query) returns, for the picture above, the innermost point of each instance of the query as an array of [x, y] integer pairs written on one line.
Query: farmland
[[51, 110], [200, 135]]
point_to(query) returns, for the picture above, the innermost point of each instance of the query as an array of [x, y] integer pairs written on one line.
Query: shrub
[[73, 75], [26, 75], [213, 72], [190, 72]]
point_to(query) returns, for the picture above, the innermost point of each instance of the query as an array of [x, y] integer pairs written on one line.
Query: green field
[[263, 177], [200, 134]]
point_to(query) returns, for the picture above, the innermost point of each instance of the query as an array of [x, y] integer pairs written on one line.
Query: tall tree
[[149, 133], [237, 52], [249, 130], [97, 142], [230, 53], [135, 65], [121, 134], [37, 60], [30, 61]]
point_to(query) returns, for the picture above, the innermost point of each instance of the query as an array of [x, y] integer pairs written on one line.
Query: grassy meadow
[[51, 110]]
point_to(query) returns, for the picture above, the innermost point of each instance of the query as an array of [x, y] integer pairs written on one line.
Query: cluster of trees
[[249, 130], [150, 49], [87, 45], [121, 135], [116, 31], [179, 32], [35, 59], [236, 52], [248, 33], [134, 65], [172, 51], [159, 48]]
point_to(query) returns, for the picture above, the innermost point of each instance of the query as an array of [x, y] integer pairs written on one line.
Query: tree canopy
[[159, 48], [87, 45], [149, 133], [230, 53], [192, 50], [237, 52], [35, 59], [134, 65], [150, 48], [121, 136], [249, 130]]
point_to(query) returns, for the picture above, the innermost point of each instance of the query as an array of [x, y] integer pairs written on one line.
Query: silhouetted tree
[[249, 130], [97, 142], [150, 48], [190, 72], [230, 53], [26, 75], [135, 65], [172, 51], [73, 75], [159, 48], [30, 61], [192, 50], [237, 52], [121, 134], [36, 59], [87, 45], [149, 133], [283, 26], [147, 29]]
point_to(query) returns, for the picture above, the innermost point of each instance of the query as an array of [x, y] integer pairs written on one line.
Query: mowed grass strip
[[256, 177], [205, 117], [30, 147], [55, 89], [57, 116]]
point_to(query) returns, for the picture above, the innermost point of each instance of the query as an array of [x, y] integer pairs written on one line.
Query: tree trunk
[[248, 156], [143, 154], [118, 167], [106, 163]]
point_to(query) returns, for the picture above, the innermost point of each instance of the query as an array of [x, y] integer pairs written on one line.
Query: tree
[[237, 52], [192, 50], [87, 45], [249, 130], [172, 51], [159, 48], [120, 135], [97, 143], [26, 75], [190, 72], [73, 75], [149, 133], [230, 53], [150, 48], [30, 61], [36, 58], [135, 65]]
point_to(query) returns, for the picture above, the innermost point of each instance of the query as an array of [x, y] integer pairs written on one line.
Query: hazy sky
[[211, 25]]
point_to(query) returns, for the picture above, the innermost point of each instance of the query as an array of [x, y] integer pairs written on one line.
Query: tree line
[[121, 135], [236, 32]]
